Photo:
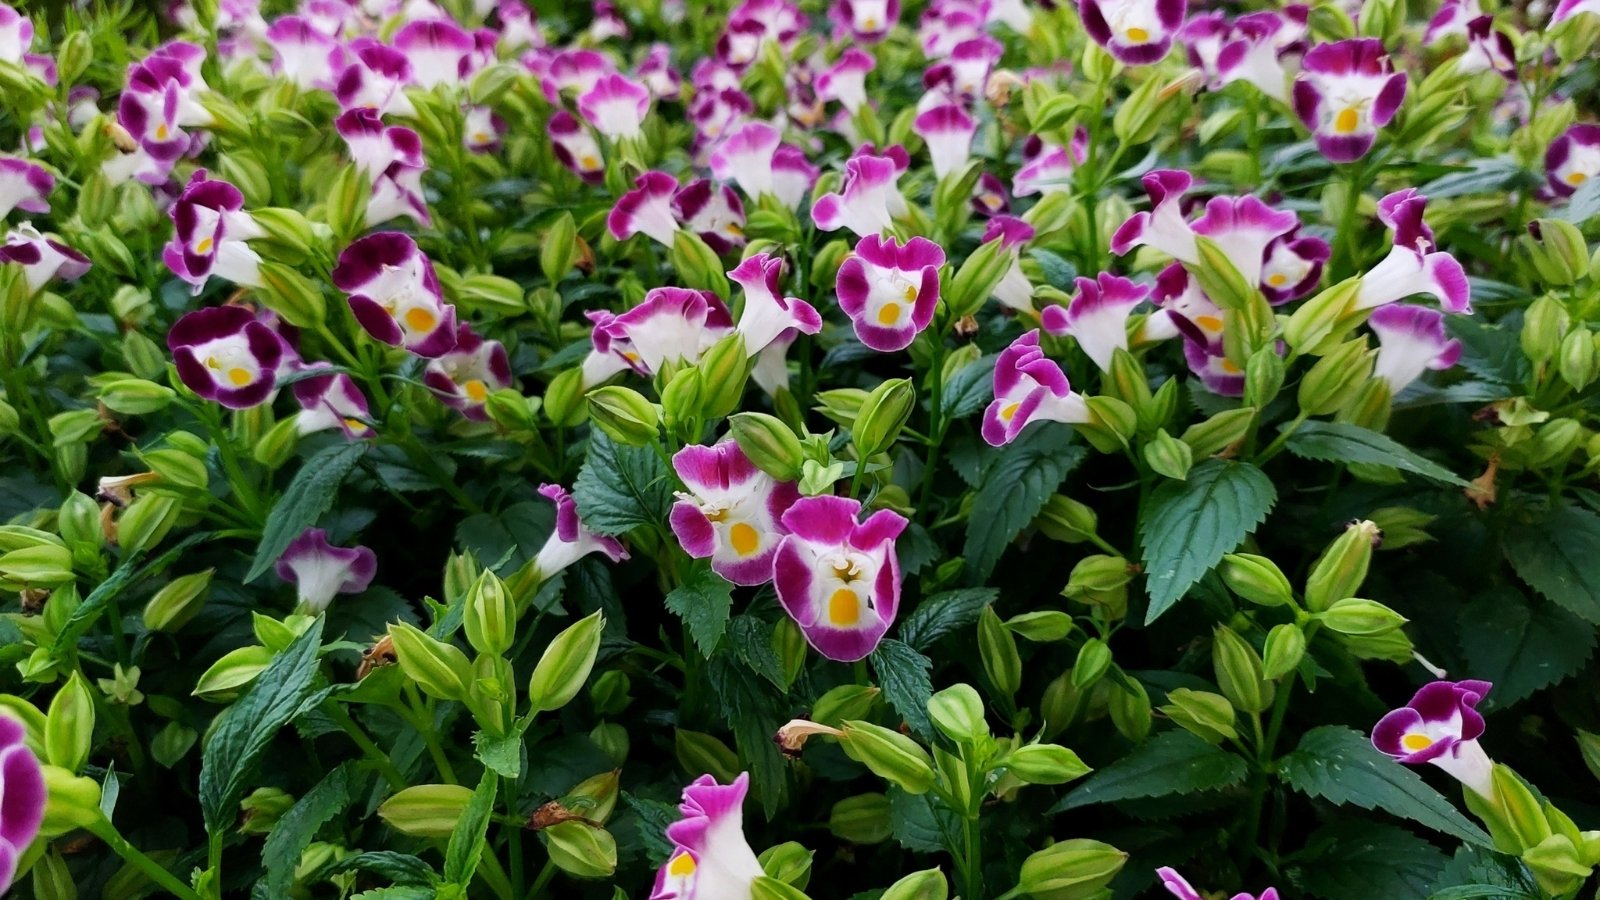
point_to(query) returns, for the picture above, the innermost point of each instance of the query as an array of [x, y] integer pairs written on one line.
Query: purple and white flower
[[711, 860], [375, 76], [607, 23], [1489, 50], [228, 355], [41, 258], [989, 196], [1291, 267], [839, 579], [1097, 317], [754, 157], [22, 787], [1219, 374], [210, 231], [1014, 291], [1411, 340], [465, 376], [1254, 53], [1567, 9], [1572, 159], [574, 72], [616, 107], [1164, 226], [767, 314], [159, 102], [1029, 387], [1345, 92], [963, 75], [16, 38], [519, 26], [1243, 227], [1050, 170], [395, 294], [731, 511], [305, 55], [1179, 887], [658, 74], [319, 570], [24, 185], [1413, 266], [866, 200], [867, 21], [846, 80], [770, 371], [437, 50], [948, 131], [647, 209], [1136, 32], [671, 325], [482, 129], [391, 158], [946, 24], [1183, 309], [1441, 725], [1452, 19], [890, 290], [571, 540], [331, 401], [716, 112], [714, 212], [576, 147]]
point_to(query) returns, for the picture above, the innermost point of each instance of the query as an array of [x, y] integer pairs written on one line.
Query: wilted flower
[[1572, 159], [24, 185], [1029, 387], [1441, 725], [41, 258], [1345, 92], [1411, 339], [711, 860], [839, 579], [210, 230], [229, 355], [616, 107], [1413, 266], [571, 541], [890, 290], [319, 570], [767, 314], [331, 401], [1180, 888], [731, 511], [646, 209], [575, 147], [1097, 317], [22, 787], [1136, 32], [395, 294], [714, 212], [671, 325]]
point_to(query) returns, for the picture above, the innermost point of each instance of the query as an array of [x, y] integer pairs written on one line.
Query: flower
[[482, 129], [716, 111], [1410, 340], [1180, 888], [890, 291], [671, 325], [768, 315], [576, 147], [571, 541], [1451, 19], [863, 203], [1219, 374], [1014, 290], [320, 570], [1243, 227], [159, 102], [1572, 159], [573, 71], [304, 55], [1163, 226], [42, 258], [770, 370], [391, 158], [1028, 387], [1413, 266], [746, 158], [374, 76], [989, 196], [792, 175], [1097, 317], [839, 579], [229, 355], [616, 107], [1136, 32], [210, 230], [1441, 725], [846, 80], [646, 209], [1488, 49], [714, 212], [395, 294], [468, 373], [657, 73], [24, 185], [1345, 92], [1291, 267], [22, 789], [16, 36], [948, 131], [606, 23], [868, 21], [730, 512], [437, 50], [331, 401], [1254, 50], [711, 860], [1567, 9], [1050, 170]]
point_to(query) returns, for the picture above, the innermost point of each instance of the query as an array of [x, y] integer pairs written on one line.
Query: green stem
[[420, 717], [1274, 448], [936, 424], [379, 759], [105, 831], [495, 877], [1347, 261], [972, 871], [1253, 111], [543, 881], [513, 835]]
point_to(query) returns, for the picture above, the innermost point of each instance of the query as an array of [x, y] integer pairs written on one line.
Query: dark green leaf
[[1173, 762], [703, 601], [1352, 859], [944, 613], [513, 534], [1014, 489], [621, 487], [1340, 765], [1489, 351], [755, 712], [921, 823], [654, 817], [1345, 443], [472, 832], [294, 831], [88, 612], [403, 892], [1190, 524], [1583, 205], [310, 495], [501, 754], [903, 674], [1522, 647], [752, 641], [1482, 177], [400, 868], [1479, 872], [1057, 271], [969, 389], [1556, 553], [247, 726]]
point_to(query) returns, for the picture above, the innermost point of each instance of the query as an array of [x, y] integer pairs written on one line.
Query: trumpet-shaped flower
[[1489, 50], [1184, 310], [375, 76], [22, 789], [41, 258], [160, 101], [989, 196], [714, 212], [671, 325], [1097, 317], [846, 80], [210, 231], [716, 112], [331, 401], [864, 201], [731, 511], [616, 107], [647, 209], [16, 37], [319, 570], [839, 579], [1452, 19], [1566, 9], [1179, 887], [1413, 266], [305, 55], [1164, 226], [1572, 159], [576, 147], [770, 370], [746, 157], [656, 72], [867, 21], [1244, 228], [1029, 387], [395, 294], [574, 72], [767, 313], [948, 131], [437, 50], [1136, 32], [228, 355], [571, 540], [24, 185], [1014, 290], [711, 860], [1292, 266], [1411, 339], [464, 377], [1253, 53], [1219, 374], [1345, 92], [1441, 725], [391, 158], [1050, 170], [482, 129], [890, 290]]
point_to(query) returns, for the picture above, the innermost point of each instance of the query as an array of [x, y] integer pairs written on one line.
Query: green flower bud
[[998, 651], [1553, 442], [1146, 111], [957, 711], [612, 739], [439, 668], [1098, 572], [890, 755], [1060, 704], [144, 523], [770, 444], [1557, 866], [1256, 579], [699, 752], [228, 676], [262, 809], [178, 601], [565, 664], [1201, 713], [1080, 865], [1168, 456], [1578, 363], [682, 397], [929, 884], [1381, 19], [1044, 764], [1402, 526], [724, 369], [625, 415], [10, 421], [1094, 658], [1558, 251], [1342, 568], [788, 862], [580, 849], [291, 236], [73, 59], [78, 520], [697, 265], [492, 293], [179, 467], [1263, 377], [1128, 704], [277, 446], [69, 726], [841, 405], [1052, 212], [345, 206], [291, 295], [768, 888], [492, 694], [426, 810], [491, 616], [1370, 406], [40, 667], [1065, 519], [609, 693], [1239, 671], [1220, 278], [1112, 425], [564, 399], [789, 644], [52, 880], [47, 565], [1219, 432], [825, 264], [1543, 327], [1355, 616], [1323, 318], [977, 278], [847, 701], [71, 801], [135, 396], [1126, 380], [1335, 379], [1285, 647], [862, 819], [881, 417], [1041, 626]]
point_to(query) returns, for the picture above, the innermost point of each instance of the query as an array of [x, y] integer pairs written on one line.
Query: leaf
[[944, 613], [969, 389], [513, 534], [400, 868], [1190, 524], [1354, 858], [703, 601], [246, 727], [501, 754], [1583, 205], [1014, 489], [1057, 271], [903, 674], [1346, 443], [88, 611], [1482, 177], [1489, 351], [310, 494], [1556, 554], [654, 817], [621, 487], [472, 832], [295, 829], [1478, 872], [752, 641], [1172, 762], [920, 823], [1341, 766], [754, 711], [1522, 647]]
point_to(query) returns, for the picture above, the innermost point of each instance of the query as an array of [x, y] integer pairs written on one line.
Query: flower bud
[[1098, 572], [1553, 442], [564, 399], [788, 862], [69, 726], [71, 801], [612, 739], [1335, 379], [1067, 520], [1285, 647], [439, 668], [426, 810], [847, 701], [291, 295], [44, 565], [724, 369], [841, 405], [625, 415], [1256, 579], [290, 237], [346, 205], [565, 664], [277, 634], [881, 417], [681, 397], [1557, 865], [1168, 456], [1323, 318], [977, 278], [765, 887], [1355, 616], [1558, 251], [1342, 568], [581, 849], [1370, 406], [929, 884], [770, 444], [1146, 111], [1263, 377], [1112, 425], [1219, 278], [1044, 764], [492, 293], [957, 711], [1381, 19], [1080, 866], [511, 411], [1201, 713], [1577, 362], [609, 693], [1219, 432], [262, 808], [697, 265], [228, 676], [1094, 658], [789, 644], [998, 651], [178, 601], [1042, 626], [491, 617], [1543, 326], [1128, 704], [144, 523], [862, 819], [135, 396], [1239, 671], [890, 755]]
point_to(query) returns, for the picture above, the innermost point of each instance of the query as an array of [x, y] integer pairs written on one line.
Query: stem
[[494, 876], [369, 749], [1253, 111], [1346, 261], [936, 424], [972, 871], [420, 717], [513, 836], [543, 881], [1274, 448], [105, 831]]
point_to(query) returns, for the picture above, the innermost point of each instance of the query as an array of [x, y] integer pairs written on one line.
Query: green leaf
[[246, 727], [755, 711], [654, 817], [295, 829], [310, 494], [1190, 524], [512, 535], [1478, 872], [1172, 762], [472, 832], [1556, 553], [1345, 443], [1354, 858], [400, 868], [1522, 647], [1014, 489], [1583, 205], [621, 487], [1340, 765], [752, 641], [1481, 177], [920, 823], [88, 612], [703, 601], [944, 613], [969, 389], [403, 892], [903, 674], [501, 754]]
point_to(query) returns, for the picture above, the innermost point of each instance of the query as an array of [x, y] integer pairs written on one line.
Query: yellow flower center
[[1415, 742], [844, 607], [588, 164], [419, 319], [682, 866], [1347, 121], [1208, 323], [211, 363], [734, 229], [1277, 279], [871, 23], [239, 376], [889, 314], [355, 424], [1231, 367], [479, 137], [1577, 178], [203, 246], [161, 132], [910, 293], [476, 391], [717, 515], [1009, 411], [630, 356], [744, 538], [1138, 35]]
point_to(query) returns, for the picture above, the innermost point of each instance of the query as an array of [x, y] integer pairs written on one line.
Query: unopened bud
[[1219, 432], [71, 801], [1044, 764], [491, 617], [1285, 647], [1239, 672], [292, 295], [178, 601], [771, 445], [426, 810], [1363, 618], [69, 725], [1577, 362], [625, 415], [136, 396], [1094, 658], [1042, 626], [881, 417], [957, 711], [1263, 377], [841, 405], [724, 369], [581, 849], [1342, 568], [1256, 579], [262, 808], [862, 819], [565, 664], [1066, 519], [890, 755], [1336, 378], [1201, 713], [847, 701], [439, 668], [1323, 318], [997, 649], [929, 884], [977, 278], [228, 676], [1168, 456], [1080, 866], [1558, 251]]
